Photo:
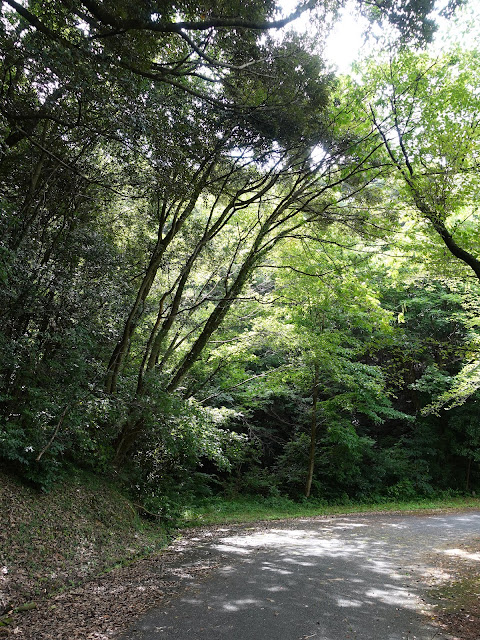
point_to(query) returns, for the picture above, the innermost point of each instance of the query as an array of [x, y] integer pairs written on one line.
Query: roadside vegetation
[[218, 511], [53, 541]]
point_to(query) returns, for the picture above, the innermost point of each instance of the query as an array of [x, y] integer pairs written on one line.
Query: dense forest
[[225, 268]]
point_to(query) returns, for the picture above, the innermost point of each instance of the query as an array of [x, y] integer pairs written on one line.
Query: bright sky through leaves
[[347, 43]]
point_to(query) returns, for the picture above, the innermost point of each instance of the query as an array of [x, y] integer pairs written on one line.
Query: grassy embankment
[[52, 541]]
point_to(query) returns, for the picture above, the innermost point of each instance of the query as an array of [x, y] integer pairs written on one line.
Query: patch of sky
[[350, 38]]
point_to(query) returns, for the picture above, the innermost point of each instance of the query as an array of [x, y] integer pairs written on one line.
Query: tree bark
[[469, 468], [163, 241], [121, 348], [125, 441], [313, 434], [455, 249]]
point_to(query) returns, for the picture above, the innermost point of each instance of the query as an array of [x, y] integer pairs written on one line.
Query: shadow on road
[[359, 577]]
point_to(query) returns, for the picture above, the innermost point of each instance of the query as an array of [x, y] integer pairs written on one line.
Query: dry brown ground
[[55, 549]]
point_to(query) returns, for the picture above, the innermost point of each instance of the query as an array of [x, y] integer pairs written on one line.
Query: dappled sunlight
[[295, 542], [461, 553], [381, 566], [231, 548], [284, 572], [300, 562], [337, 564], [348, 524], [466, 519], [357, 579], [236, 605], [342, 602], [395, 596], [437, 576]]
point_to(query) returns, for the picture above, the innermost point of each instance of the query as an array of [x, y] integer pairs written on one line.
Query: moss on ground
[[457, 601], [458, 595]]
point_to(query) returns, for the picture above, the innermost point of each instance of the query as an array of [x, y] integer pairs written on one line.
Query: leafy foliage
[[221, 268]]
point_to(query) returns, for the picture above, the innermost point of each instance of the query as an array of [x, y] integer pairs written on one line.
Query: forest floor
[[78, 564], [52, 544], [457, 595]]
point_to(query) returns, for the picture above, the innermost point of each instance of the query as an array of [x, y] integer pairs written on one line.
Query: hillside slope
[[50, 541]]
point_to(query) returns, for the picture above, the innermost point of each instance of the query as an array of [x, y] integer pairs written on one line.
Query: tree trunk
[[216, 318], [469, 469], [163, 242], [118, 355], [125, 441], [455, 249], [313, 434]]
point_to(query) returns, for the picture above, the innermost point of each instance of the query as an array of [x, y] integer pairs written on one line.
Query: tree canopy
[[220, 261]]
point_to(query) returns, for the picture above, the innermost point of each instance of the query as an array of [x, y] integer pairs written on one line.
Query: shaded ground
[[51, 541], [457, 596], [323, 578]]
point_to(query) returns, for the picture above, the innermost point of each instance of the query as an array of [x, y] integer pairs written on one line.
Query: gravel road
[[362, 577]]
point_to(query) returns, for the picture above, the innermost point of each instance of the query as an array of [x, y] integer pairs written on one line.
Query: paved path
[[344, 578]]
